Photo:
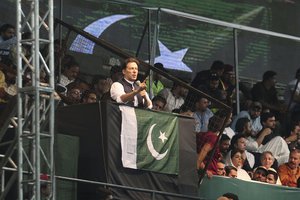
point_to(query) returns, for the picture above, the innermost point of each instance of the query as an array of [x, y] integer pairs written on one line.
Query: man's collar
[[131, 82]]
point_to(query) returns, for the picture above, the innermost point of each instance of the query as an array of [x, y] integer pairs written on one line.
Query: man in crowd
[[289, 172], [224, 145], [174, 97], [159, 103], [231, 171], [260, 174], [127, 90], [253, 114], [202, 114]]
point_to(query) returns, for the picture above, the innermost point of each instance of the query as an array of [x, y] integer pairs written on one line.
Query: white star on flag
[[162, 136]]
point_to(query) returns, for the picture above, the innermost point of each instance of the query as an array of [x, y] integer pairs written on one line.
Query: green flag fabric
[[149, 140]]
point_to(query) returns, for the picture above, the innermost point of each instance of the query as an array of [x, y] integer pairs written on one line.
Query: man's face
[[255, 112], [91, 98], [183, 91], [270, 123], [220, 169], [232, 174], [202, 104], [131, 71], [224, 146], [260, 175], [158, 105], [213, 84], [294, 160], [72, 72], [248, 128], [271, 179], [9, 33], [241, 144]]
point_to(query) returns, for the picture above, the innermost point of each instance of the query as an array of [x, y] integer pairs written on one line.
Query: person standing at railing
[[128, 90], [266, 93]]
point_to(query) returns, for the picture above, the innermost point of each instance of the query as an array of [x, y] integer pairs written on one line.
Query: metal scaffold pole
[[35, 130]]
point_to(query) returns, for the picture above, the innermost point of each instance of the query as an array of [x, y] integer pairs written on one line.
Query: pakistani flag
[[149, 140]]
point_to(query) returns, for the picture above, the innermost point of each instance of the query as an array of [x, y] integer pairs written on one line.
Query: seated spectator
[[293, 140], [101, 85], [268, 141], [253, 114], [211, 88], [7, 40], [202, 114], [267, 160], [228, 82], [266, 93], [224, 145], [221, 168], [70, 73], [289, 172], [8, 86], [174, 97], [205, 144], [157, 85], [260, 174], [239, 142], [158, 103], [231, 171], [89, 96], [295, 103], [235, 159], [127, 91], [272, 177]]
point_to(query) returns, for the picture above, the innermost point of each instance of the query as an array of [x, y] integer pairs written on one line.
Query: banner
[[149, 140]]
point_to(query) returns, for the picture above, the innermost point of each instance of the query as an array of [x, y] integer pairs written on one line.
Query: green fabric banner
[[149, 140]]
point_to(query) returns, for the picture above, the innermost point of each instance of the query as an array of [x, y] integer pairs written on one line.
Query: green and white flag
[[149, 140]]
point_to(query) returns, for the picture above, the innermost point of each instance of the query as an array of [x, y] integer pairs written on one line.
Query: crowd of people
[[259, 144]]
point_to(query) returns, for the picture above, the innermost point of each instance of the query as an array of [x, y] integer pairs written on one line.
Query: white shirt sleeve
[[116, 91], [251, 144]]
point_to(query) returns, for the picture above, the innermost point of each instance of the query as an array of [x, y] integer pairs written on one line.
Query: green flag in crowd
[[149, 140]]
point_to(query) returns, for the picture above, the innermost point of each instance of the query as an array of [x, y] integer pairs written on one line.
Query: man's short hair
[[129, 60], [224, 137], [231, 196], [240, 124], [255, 105], [235, 139], [4, 27], [217, 65], [265, 116], [159, 98], [268, 75], [229, 168]]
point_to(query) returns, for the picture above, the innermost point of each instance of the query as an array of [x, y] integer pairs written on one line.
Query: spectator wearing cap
[[253, 114], [211, 87], [260, 174], [289, 172], [157, 85], [266, 93], [272, 176]]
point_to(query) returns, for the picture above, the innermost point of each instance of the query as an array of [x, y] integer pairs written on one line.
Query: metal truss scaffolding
[[35, 99]]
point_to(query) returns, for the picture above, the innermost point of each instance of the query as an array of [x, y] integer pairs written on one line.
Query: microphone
[[138, 83]]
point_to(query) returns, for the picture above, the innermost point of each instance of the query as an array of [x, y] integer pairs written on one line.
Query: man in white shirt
[[127, 90]]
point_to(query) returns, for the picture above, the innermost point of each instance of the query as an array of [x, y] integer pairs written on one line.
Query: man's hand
[[142, 86]]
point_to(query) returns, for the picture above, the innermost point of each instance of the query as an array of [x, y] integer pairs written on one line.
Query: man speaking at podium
[[129, 90]]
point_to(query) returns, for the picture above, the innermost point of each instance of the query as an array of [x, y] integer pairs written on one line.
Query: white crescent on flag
[[153, 152]]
